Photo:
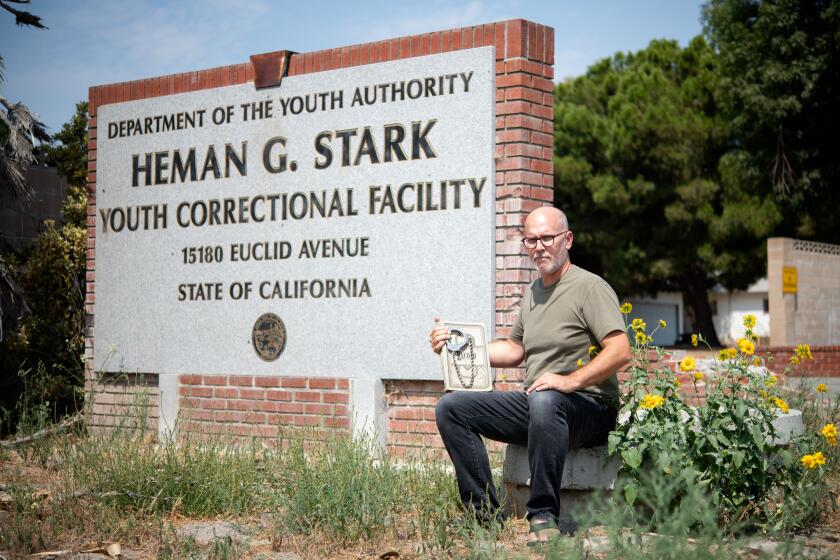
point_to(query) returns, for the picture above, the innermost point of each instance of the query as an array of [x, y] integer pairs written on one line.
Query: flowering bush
[[728, 444]]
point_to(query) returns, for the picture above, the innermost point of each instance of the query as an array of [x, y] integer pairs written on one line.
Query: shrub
[[47, 348], [727, 444]]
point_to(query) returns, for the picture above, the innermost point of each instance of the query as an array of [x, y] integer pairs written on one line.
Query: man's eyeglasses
[[546, 240]]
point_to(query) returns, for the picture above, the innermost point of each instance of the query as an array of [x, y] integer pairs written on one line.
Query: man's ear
[[569, 239]]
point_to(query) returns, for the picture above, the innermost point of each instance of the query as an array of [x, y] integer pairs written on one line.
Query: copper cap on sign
[[270, 68]]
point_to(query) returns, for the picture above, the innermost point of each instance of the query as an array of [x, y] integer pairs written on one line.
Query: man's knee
[[446, 410], [547, 407]]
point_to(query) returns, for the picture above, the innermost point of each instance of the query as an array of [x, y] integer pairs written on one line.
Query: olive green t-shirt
[[557, 325]]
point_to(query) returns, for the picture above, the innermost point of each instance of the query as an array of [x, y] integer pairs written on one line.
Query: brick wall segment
[[309, 396], [279, 395], [267, 381], [826, 362], [295, 382], [260, 408], [342, 397], [122, 401], [251, 394], [321, 383]]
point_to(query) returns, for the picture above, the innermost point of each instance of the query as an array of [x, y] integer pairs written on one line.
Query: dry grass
[[333, 499]]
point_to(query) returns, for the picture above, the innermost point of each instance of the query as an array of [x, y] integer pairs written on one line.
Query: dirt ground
[[253, 537]]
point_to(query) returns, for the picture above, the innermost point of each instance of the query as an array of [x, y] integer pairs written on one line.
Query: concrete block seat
[[592, 469]]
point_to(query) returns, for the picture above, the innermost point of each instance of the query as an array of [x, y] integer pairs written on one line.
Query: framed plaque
[[464, 358]]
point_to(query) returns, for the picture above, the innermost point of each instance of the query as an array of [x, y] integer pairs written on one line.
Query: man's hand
[[615, 352], [556, 382], [438, 336]]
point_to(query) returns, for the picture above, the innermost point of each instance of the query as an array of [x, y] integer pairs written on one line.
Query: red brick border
[[125, 401], [826, 362], [248, 405], [524, 173]]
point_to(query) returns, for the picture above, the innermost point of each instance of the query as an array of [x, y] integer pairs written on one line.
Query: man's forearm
[[505, 353], [614, 355]]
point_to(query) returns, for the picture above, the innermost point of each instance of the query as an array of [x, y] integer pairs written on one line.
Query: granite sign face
[[349, 207]]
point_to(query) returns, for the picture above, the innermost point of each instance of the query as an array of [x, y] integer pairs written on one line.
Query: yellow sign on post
[[789, 280]]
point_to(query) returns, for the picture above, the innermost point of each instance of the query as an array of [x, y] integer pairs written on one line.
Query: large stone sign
[[269, 242], [347, 206]]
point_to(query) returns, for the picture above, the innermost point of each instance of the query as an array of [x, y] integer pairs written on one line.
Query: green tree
[[641, 164], [70, 158], [780, 62], [47, 348], [18, 131]]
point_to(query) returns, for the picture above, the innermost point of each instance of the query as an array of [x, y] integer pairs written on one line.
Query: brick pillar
[[781, 304], [524, 181], [524, 158]]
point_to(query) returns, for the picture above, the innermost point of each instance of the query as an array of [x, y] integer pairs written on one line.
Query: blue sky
[[91, 42]]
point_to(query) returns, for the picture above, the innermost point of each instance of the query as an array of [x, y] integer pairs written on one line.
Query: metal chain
[[454, 355]]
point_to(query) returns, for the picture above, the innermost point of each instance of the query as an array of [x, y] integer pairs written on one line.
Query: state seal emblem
[[268, 337]]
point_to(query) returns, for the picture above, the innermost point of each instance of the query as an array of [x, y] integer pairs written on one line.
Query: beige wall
[[812, 315]]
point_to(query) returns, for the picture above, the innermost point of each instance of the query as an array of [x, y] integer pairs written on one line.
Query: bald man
[[562, 406]]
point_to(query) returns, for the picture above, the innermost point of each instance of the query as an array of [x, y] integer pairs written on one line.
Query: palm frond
[[22, 18], [19, 128]]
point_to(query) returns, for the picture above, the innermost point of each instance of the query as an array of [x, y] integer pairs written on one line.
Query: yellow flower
[[757, 361], [641, 338], [803, 351], [694, 340], [592, 351], [662, 324], [749, 321], [821, 388], [626, 308], [677, 381], [795, 361], [771, 381], [504, 376], [638, 325], [829, 432], [781, 404], [687, 364], [728, 354], [580, 362], [650, 402], [746, 347], [763, 393], [813, 460], [698, 376]]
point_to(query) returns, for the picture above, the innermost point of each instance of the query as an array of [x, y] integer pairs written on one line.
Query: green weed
[[172, 546], [227, 549], [197, 478], [344, 487]]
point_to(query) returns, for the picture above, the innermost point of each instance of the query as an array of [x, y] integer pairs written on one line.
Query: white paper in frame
[[468, 368]]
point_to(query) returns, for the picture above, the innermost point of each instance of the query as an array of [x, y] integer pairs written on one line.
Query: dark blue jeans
[[550, 423]]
